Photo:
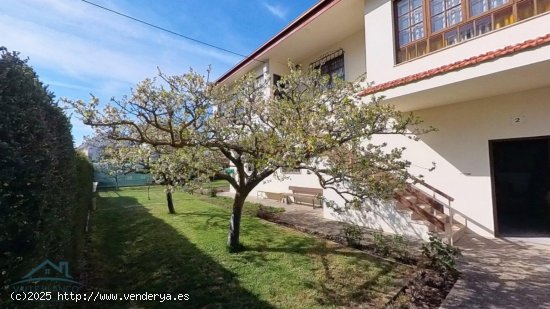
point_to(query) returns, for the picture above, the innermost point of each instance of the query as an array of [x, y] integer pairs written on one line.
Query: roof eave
[[295, 25]]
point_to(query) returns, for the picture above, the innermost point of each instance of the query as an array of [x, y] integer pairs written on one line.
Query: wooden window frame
[[429, 17], [411, 25], [433, 41]]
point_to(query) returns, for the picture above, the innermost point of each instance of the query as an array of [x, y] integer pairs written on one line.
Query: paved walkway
[[502, 273], [302, 215], [311, 220]]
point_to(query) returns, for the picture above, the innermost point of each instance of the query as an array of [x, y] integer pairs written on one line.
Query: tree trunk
[[170, 203], [235, 223]]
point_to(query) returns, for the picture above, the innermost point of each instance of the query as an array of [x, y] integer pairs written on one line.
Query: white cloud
[[277, 10], [87, 44], [79, 49]]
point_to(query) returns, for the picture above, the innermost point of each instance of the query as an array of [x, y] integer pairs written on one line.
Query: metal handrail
[[422, 182]]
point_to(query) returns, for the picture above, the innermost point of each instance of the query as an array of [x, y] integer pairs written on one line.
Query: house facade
[[477, 70]]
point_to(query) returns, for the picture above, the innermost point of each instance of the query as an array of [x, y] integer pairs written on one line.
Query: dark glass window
[[334, 68], [276, 80]]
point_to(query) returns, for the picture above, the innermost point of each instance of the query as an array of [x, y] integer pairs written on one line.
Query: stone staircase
[[426, 209]]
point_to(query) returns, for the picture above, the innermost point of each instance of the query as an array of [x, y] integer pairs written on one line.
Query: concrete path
[[295, 214], [502, 273], [311, 220]]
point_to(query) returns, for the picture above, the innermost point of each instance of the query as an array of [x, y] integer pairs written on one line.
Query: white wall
[[354, 57], [460, 147], [378, 216], [354, 61], [280, 185]]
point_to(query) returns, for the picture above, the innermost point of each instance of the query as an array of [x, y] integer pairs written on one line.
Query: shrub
[[209, 191], [83, 194], [440, 255], [399, 247], [381, 244], [266, 212], [353, 235], [212, 192], [395, 246]]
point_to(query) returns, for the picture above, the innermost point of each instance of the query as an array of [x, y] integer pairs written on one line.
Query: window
[[332, 65], [445, 13], [260, 82], [276, 79], [478, 7], [334, 68], [410, 21], [424, 26]]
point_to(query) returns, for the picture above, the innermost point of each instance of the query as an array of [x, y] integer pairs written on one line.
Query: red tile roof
[[505, 51]]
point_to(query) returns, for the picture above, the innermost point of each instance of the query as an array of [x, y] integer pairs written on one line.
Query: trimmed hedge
[[84, 178], [44, 186]]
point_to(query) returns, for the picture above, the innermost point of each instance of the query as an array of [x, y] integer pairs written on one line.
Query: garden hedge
[[45, 188]]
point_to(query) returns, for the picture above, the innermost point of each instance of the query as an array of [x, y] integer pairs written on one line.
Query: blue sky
[[78, 49]]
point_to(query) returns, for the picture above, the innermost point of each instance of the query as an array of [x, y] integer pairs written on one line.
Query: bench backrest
[[305, 190]]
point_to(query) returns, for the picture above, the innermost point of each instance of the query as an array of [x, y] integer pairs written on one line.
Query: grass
[[136, 246], [219, 184]]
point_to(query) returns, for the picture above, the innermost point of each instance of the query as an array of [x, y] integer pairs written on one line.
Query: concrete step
[[426, 207], [405, 210], [441, 216], [410, 198], [458, 230]]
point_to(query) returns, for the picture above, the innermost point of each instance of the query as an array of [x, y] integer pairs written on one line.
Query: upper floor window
[[276, 85], [260, 82], [478, 7], [410, 20], [334, 68], [332, 65], [445, 13], [424, 26]]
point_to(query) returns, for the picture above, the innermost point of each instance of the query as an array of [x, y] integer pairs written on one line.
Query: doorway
[[521, 186]]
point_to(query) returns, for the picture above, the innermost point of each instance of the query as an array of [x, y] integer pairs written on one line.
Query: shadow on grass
[[132, 251], [342, 276], [336, 287]]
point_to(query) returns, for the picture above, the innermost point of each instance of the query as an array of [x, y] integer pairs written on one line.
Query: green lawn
[[219, 184], [136, 246]]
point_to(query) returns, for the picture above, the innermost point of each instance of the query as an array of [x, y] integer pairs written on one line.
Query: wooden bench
[[279, 197], [307, 196]]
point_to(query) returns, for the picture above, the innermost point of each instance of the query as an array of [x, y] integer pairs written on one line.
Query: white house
[[477, 70], [92, 149]]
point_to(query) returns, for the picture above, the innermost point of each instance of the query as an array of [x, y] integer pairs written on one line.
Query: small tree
[[169, 169], [123, 158], [312, 123]]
